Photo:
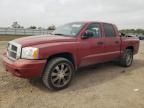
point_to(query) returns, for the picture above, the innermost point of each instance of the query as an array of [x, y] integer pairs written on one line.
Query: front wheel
[[127, 58], [58, 73]]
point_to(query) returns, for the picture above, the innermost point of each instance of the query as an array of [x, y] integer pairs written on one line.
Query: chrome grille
[[12, 54], [13, 50]]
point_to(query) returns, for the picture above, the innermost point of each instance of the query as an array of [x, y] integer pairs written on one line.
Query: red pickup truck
[[55, 57]]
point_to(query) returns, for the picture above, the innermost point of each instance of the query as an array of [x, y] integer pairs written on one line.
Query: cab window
[[95, 29]]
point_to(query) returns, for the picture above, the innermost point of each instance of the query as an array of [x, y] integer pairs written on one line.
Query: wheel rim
[[129, 58], [61, 75]]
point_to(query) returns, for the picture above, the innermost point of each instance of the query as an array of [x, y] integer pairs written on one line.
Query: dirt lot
[[8, 37], [100, 86]]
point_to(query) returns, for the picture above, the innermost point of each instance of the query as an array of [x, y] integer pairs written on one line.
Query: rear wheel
[[127, 58], [58, 73]]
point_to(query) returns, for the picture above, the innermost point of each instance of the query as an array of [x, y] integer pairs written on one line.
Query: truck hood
[[35, 40]]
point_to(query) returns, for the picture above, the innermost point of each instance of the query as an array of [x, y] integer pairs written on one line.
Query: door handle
[[100, 43], [117, 42]]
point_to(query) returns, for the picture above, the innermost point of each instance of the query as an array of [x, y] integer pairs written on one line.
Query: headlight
[[30, 53]]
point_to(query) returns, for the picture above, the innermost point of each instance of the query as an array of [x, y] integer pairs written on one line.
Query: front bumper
[[24, 68]]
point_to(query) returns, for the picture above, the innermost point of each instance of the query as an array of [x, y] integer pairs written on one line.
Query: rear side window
[[109, 30]]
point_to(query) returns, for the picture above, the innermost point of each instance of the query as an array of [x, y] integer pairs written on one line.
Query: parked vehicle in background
[[56, 57], [141, 37]]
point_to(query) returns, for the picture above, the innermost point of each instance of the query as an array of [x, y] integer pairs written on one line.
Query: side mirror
[[87, 34], [122, 34]]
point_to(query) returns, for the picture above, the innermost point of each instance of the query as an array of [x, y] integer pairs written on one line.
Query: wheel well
[[68, 56], [130, 47]]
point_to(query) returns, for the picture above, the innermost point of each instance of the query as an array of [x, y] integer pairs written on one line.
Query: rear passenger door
[[111, 42]]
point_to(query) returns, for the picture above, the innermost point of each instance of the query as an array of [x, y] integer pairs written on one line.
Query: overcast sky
[[123, 13]]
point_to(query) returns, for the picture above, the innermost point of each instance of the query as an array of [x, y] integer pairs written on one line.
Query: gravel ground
[[100, 86]]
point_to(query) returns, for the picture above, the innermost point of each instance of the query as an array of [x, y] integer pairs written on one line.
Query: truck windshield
[[70, 29]]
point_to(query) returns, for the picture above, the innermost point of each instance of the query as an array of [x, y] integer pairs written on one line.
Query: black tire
[[55, 74], [127, 58]]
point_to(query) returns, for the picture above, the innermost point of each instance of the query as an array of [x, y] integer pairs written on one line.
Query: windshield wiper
[[59, 34]]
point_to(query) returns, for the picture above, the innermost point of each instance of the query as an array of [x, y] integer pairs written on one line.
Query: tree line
[[133, 31], [17, 25]]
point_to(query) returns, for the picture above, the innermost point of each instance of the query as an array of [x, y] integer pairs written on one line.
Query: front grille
[[13, 50], [12, 54]]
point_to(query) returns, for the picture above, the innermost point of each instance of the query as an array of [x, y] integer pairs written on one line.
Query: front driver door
[[92, 49]]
